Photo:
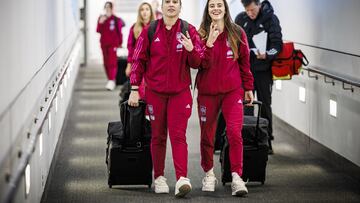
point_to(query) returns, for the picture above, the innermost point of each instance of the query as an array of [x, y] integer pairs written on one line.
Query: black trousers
[[263, 88]]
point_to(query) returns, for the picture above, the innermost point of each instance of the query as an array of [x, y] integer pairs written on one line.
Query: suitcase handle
[[125, 106], [259, 103]]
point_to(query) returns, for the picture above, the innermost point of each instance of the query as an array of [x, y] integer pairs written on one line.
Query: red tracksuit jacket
[[166, 63], [219, 73], [109, 34], [131, 44]]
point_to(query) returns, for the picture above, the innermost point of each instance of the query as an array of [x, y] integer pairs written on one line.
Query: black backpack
[[117, 25], [153, 25]]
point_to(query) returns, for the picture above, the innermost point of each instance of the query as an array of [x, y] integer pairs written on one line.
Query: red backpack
[[288, 62]]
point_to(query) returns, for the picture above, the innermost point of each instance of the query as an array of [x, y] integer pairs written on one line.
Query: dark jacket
[[267, 21]]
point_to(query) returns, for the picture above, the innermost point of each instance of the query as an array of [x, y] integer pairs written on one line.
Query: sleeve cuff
[[133, 83], [248, 88]]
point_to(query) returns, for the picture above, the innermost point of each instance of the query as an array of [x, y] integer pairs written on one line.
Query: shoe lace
[[208, 180]]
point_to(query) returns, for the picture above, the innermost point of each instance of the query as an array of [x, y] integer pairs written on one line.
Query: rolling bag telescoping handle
[[259, 103]]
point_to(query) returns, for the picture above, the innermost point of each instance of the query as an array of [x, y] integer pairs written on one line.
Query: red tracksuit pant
[[169, 113], [232, 109], [110, 61]]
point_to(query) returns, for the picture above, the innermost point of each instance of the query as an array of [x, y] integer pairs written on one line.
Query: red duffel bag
[[288, 62]]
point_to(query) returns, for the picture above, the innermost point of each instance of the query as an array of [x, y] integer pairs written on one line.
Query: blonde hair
[[140, 22]]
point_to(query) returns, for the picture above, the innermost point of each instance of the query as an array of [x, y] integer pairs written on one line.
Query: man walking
[[258, 18]]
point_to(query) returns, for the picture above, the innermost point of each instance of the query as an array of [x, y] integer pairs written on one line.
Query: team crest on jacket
[[178, 36], [179, 46], [202, 110], [202, 113], [112, 24], [151, 112]]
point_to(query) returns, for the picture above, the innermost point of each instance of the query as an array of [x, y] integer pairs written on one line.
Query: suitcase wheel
[[109, 183]]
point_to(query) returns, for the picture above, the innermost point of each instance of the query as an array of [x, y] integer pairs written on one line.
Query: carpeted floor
[[79, 174]]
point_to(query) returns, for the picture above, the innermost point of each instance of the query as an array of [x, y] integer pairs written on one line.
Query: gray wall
[[36, 38], [332, 25], [328, 24]]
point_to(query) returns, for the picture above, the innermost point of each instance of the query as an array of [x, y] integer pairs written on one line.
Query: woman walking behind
[[145, 16], [223, 81], [109, 26]]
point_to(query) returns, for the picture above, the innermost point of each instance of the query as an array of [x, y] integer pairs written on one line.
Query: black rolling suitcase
[[255, 151], [128, 156]]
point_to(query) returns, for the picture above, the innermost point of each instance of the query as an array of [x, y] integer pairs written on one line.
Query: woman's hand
[[102, 19], [213, 35], [249, 97], [186, 42], [134, 97], [128, 70]]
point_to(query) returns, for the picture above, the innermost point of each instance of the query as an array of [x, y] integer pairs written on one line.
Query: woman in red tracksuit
[[109, 26], [165, 63], [223, 80], [145, 15]]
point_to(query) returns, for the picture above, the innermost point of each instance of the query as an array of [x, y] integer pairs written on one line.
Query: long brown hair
[[140, 22], [234, 31]]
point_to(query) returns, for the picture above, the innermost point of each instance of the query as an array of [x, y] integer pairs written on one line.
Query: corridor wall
[[37, 38]]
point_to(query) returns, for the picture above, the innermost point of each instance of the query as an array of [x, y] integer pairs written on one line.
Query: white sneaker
[[161, 187], [182, 187], [110, 85], [209, 181], [238, 186]]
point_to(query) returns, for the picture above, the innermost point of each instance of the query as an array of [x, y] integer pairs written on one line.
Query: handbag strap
[[303, 60]]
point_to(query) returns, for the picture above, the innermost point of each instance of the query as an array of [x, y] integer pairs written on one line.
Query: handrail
[[13, 101], [33, 134], [327, 75], [333, 77], [326, 49]]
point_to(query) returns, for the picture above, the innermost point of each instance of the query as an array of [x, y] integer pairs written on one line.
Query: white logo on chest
[[229, 54], [112, 24]]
